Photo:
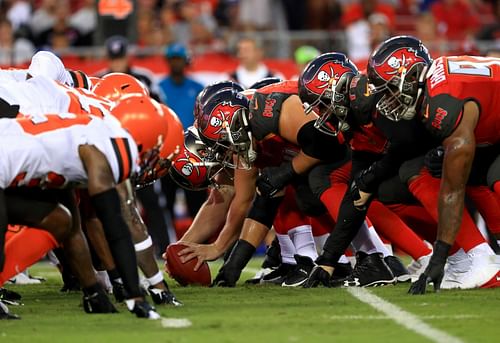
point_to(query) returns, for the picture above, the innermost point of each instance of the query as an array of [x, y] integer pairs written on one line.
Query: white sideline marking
[[403, 318], [175, 323], [383, 317]]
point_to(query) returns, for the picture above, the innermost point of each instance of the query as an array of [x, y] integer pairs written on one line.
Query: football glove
[[273, 179], [433, 160], [318, 276]]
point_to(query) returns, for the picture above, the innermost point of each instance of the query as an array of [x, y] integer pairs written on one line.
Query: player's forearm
[[211, 216]]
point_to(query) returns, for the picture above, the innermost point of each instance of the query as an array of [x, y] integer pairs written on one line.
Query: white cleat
[[24, 279], [415, 268], [475, 271]]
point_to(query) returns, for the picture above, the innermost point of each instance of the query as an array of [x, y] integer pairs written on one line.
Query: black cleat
[[10, 297], [272, 259], [397, 268], [317, 276], [341, 271], [119, 291], [142, 309], [162, 296], [70, 284], [98, 302], [300, 273], [369, 271], [277, 276], [5, 313]]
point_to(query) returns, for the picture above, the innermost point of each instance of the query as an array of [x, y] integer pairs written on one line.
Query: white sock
[[320, 241], [368, 241], [303, 240], [343, 259], [287, 249]]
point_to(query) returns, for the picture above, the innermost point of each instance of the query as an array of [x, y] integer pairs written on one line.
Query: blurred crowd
[[353, 26]]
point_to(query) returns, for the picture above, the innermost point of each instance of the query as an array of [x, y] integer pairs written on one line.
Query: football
[[184, 273]]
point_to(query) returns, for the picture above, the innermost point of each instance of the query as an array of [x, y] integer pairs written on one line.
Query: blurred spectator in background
[[44, 16], [179, 92], [456, 19], [192, 24], [359, 19], [251, 69], [85, 21], [19, 13], [323, 14], [296, 13], [13, 51], [302, 56], [256, 14], [61, 34], [491, 32], [426, 31]]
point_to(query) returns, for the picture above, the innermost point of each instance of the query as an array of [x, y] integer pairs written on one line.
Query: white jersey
[[41, 95], [42, 150]]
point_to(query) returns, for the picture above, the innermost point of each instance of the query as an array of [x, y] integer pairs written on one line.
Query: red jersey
[[453, 81]]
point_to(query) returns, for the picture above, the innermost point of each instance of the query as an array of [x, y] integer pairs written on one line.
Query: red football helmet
[[114, 85], [144, 119], [223, 126], [397, 70], [195, 167], [324, 87]]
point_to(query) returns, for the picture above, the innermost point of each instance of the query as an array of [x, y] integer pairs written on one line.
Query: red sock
[[321, 225], [24, 249], [426, 189], [416, 217], [332, 198], [389, 225], [487, 204], [289, 216]]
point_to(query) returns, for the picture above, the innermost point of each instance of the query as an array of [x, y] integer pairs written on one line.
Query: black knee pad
[[410, 169], [264, 209], [319, 145]]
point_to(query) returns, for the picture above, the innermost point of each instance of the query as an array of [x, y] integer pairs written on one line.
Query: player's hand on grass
[[319, 275], [203, 252], [433, 273]]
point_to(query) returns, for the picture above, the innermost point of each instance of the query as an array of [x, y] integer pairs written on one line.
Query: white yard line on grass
[[400, 316]]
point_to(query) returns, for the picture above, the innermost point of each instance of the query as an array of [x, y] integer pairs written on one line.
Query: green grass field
[[254, 314]]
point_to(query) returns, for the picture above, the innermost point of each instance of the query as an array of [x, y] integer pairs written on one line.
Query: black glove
[[273, 179], [318, 276], [433, 160], [435, 270], [356, 196], [362, 101]]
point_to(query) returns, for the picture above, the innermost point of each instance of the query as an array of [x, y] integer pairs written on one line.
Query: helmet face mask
[[397, 69], [195, 168], [323, 88]]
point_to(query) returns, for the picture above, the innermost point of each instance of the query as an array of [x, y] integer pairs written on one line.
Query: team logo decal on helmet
[[398, 63], [220, 118], [328, 75]]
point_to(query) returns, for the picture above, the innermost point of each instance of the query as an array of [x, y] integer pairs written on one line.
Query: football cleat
[[483, 271], [119, 291], [397, 268], [317, 276], [341, 271], [416, 268], [142, 309], [10, 297], [258, 276], [25, 279], [5, 313], [163, 296], [98, 302], [369, 271], [272, 259], [298, 275], [278, 275]]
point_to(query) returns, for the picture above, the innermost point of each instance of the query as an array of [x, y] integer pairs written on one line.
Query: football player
[[454, 99]]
